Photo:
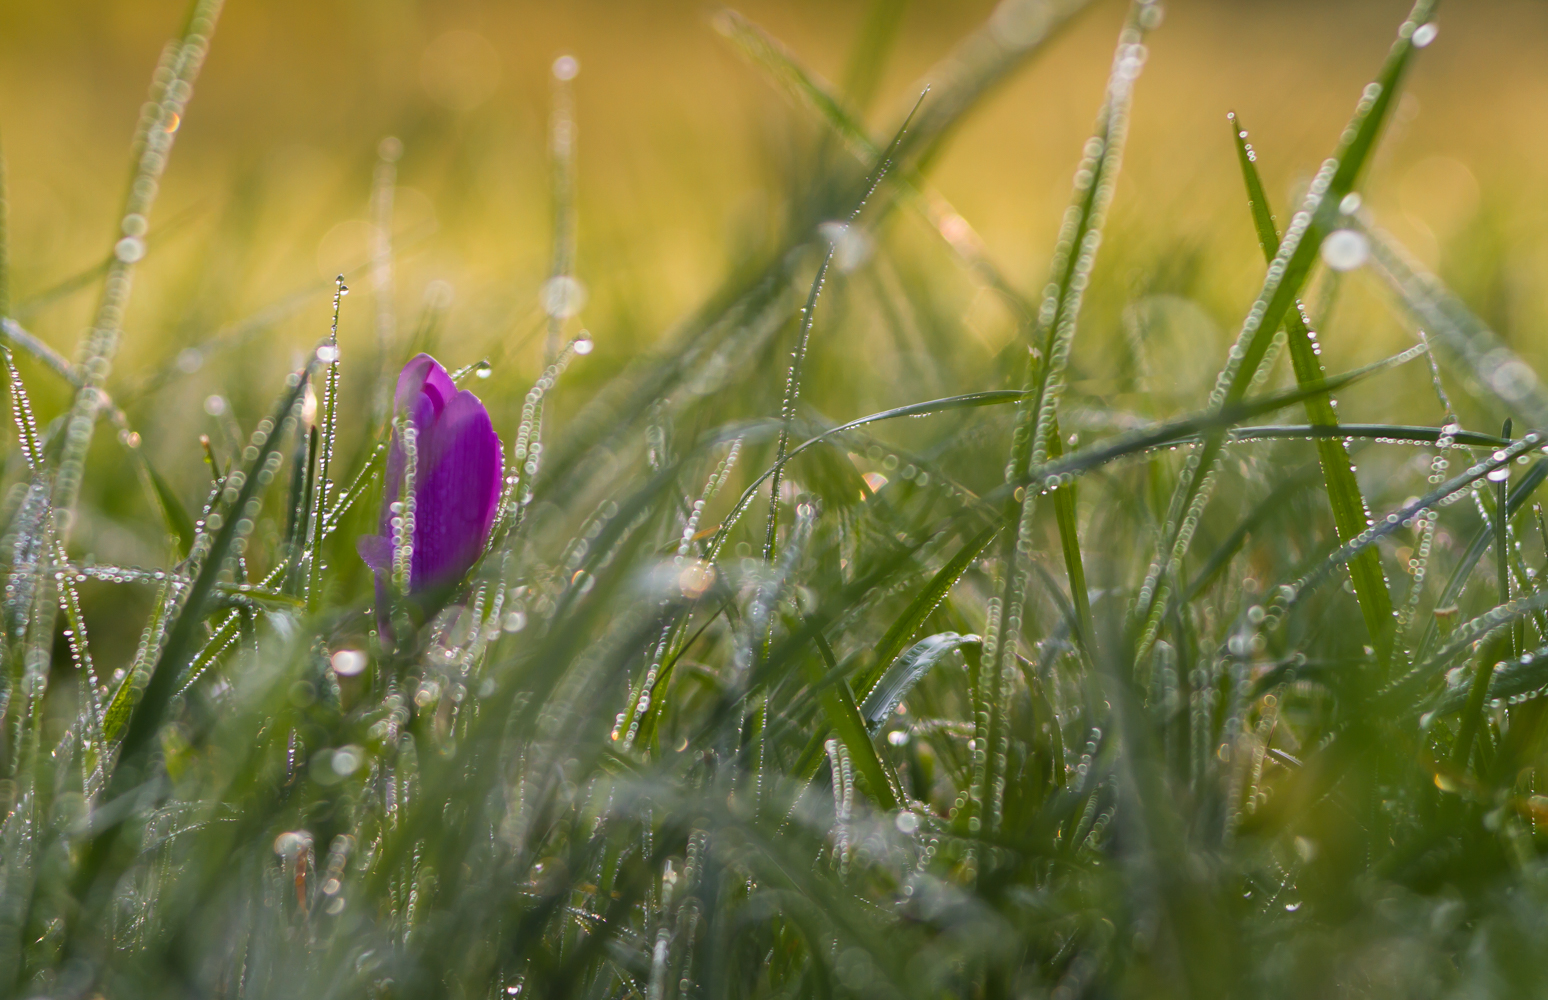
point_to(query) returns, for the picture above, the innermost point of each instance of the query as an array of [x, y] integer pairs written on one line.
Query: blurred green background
[[688, 161]]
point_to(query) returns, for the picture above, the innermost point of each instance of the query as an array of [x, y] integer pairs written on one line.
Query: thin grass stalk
[[322, 484], [5, 238], [1049, 351], [384, 184], [808, 315], [171, 88], [560, 295]]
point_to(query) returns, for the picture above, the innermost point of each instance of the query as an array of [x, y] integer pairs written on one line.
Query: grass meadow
[[1035, 499]]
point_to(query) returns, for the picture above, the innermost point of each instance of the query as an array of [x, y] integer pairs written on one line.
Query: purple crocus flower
[[457, 480]]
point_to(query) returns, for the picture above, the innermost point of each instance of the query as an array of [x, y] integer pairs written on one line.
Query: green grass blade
[[1049, 351], [239, 506], [173, 514], [1398, 518], [838, 704], [1069, 542], [1289, 270], [906, 671], [1351, 515]]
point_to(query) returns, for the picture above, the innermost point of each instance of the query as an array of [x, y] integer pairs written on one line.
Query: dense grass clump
[[1064, 687]]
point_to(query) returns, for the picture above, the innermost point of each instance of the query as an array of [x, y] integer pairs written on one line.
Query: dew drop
[[1425, 34], [129, 249], [348, 662], [1345, 249], [562, 296]]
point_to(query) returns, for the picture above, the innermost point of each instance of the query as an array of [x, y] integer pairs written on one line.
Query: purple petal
[[423, 378], [457, 493]]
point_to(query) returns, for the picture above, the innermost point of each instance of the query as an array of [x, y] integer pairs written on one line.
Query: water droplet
[[346, 761], [1345, 249], [327, 354], [348, 662], [584, 344], [562, 296], [190, 360], [1351, 203], [1425, 34], [566, 67], [134, 224], [129, 249], [214, 405], [1500, 475]]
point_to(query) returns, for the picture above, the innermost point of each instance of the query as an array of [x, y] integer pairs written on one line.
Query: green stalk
[[1351, 515], [1289, 270]]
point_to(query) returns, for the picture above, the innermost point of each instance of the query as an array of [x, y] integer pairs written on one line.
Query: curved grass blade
[[1191, 428], [1351, 515], [906, 671], [1518, 497], [1394, 521], [1379, 433], [1522, 678], [1049, 346]]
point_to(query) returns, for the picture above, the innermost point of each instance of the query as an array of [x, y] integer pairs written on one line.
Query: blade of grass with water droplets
[[811, 92], [1351, 515], [1292, 593], [838, 704], [1049, 350], [322, 484], [1490, 362], [1480, 544], [906, 671], [225, 534], [1188, 429], [171, 87], [808, 316], [1286, 274]]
